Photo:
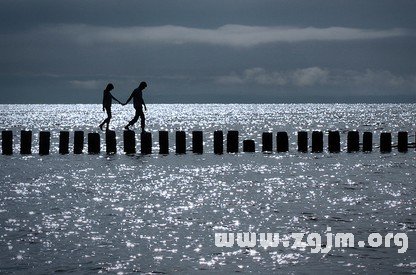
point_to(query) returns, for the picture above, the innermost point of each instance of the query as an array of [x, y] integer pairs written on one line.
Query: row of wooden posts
[[232, 143]]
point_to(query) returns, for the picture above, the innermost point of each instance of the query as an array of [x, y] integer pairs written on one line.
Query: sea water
[[123, 214]]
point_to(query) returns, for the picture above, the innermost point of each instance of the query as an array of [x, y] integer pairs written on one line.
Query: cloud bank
[[87, 84], [300, 77], [227, 35], [316, 76]]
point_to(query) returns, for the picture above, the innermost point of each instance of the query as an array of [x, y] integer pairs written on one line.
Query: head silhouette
[[109, 87], [142, 85]]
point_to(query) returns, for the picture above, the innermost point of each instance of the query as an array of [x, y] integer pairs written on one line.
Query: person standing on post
[[107, 100], [138, 103]]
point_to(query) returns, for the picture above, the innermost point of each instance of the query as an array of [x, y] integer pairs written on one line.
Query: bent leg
[[109, 116], [107, 120], [136, 117]]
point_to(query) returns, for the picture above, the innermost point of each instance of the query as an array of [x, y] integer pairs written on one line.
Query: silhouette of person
[[138, 103], [107, 100]]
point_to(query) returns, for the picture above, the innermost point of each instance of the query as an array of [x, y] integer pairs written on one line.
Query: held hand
[[145, 108], [103, 109]]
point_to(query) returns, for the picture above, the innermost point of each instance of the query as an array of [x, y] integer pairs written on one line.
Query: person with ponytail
[[107, 100]]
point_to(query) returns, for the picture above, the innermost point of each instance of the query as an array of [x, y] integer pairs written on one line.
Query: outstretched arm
[[116, 99], [128, 100]]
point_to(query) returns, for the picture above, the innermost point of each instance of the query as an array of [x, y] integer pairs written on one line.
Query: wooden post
[[232, 142], [110, 142], [7, 142], [282, 142], [317, 142], [163, 142], [93, 143], [78, 142], [367, 142], [180, 142], [146, 143], [63, 142], [353, 141], [385, 142], [197, 142], [303, 141], [218, 142], [249, 146], [334, 145], [25, 142], [44, 142], [402, 140], [129, 142], [267, 142]]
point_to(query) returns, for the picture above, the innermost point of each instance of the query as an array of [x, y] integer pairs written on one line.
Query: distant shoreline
[[235, 103]]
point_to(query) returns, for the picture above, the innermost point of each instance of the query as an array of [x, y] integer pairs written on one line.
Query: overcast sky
[[219, 51]]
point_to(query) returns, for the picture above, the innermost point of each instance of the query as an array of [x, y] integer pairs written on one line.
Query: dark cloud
[[208, 51], [213, 13]]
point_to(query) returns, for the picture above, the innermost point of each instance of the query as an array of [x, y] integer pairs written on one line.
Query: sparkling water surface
[[124, 214]]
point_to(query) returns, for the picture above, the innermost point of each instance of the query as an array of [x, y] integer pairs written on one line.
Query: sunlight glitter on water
[[93, 213]]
